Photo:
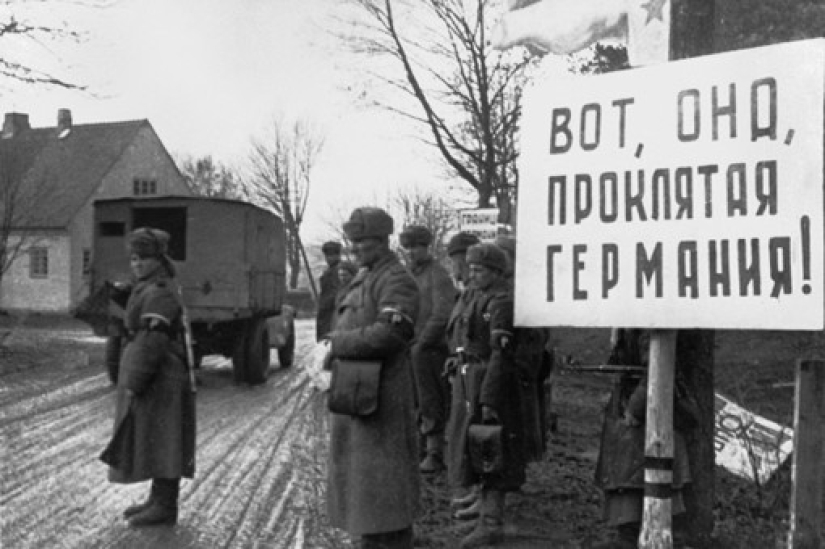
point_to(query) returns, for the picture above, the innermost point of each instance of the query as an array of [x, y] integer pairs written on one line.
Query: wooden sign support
[[807, 473], [648, 44], [656, 519]]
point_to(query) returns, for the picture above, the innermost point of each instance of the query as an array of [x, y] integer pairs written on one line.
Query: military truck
[[231, 263]]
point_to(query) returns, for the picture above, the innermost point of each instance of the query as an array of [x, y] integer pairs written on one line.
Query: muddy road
[[260, 459]]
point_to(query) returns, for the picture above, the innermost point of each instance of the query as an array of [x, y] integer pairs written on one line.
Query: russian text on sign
[[684, 195]]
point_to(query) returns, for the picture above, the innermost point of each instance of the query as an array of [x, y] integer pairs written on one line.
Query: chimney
[[14, 123], [64, 122]]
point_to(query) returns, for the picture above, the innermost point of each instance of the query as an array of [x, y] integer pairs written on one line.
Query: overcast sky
[[209, 74]]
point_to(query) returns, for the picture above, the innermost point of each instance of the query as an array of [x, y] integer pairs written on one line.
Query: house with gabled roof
[[49, 178]]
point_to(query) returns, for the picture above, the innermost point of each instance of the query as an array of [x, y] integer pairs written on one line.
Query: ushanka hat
[[368, 223], [460, 242], [149, 242], [488, 255], [331, 247], [415, 235]]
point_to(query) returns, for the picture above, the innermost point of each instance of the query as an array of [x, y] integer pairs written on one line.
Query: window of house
[[145, 187], [38, 262], [87, 261]]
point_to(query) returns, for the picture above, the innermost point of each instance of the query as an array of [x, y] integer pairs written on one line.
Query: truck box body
[[230, 255]]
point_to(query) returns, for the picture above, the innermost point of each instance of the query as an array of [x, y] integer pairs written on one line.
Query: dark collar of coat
[[385, 260], [502, 285]]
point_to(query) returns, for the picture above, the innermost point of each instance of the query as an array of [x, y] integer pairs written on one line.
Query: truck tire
[[258, 357], [114, 347], [239, 356], [286, 354]]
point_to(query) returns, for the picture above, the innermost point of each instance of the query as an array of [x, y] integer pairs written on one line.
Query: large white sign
[[684, 195]]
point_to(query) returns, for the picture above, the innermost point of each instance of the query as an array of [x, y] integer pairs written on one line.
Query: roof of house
[[60, 173]]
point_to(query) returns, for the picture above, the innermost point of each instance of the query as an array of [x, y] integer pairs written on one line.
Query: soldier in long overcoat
[[620, 464], [468, 501], [373, 484], [154, 436], [487, 392], [329, 283], [534, 362], [429, 352]]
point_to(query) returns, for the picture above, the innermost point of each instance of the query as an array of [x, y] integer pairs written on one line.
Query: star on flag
[[654, 10]]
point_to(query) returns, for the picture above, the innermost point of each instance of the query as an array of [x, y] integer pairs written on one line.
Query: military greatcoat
[[373, 462], [162, 441], [437, 295], [488, 378], [620, 464]]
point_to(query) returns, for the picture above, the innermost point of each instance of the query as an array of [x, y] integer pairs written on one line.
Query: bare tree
[[29, 28], [281, 164], [205, 177], [468, 94]]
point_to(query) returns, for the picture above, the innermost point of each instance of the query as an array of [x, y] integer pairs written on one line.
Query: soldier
[[373, 489], [456, 251], [154, 435], [620, 465], [329, 289], [429, 352], [534, 362], [468, 503], [486, 392]]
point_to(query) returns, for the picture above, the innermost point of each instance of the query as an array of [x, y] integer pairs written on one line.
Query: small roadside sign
[[482, 222]]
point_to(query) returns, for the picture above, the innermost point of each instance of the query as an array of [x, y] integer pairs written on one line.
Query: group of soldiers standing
[[461, 388]]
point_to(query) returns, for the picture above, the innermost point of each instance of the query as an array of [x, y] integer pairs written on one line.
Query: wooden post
[[648, 44], [807, 472], [656, 519]]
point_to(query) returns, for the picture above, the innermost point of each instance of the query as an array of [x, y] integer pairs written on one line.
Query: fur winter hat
[[415, 235], [368, 223], [460, 242], [488, 255]]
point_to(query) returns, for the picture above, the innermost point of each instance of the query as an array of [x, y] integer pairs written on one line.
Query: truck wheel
[[257, 360], [114, 345], [286, 354], [239, 357]]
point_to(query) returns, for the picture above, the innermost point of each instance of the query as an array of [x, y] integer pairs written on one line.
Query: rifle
[[636, 371], [187, 340]]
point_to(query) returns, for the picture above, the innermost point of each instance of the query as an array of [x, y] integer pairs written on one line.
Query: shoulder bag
[[353, 387]]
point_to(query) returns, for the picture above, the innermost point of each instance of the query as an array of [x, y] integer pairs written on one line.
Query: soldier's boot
[[489, 528], [135, 509], [626, 536], [163, 510], [470, 512], [399, 539], [433, 462]]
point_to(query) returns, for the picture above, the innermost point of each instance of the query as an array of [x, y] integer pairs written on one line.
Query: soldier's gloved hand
[[489, 415]]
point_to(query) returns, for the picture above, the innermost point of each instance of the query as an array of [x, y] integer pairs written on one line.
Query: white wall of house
[[22, 291]]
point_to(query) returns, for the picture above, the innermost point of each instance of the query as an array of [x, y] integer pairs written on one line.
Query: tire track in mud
[[260, 479]]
